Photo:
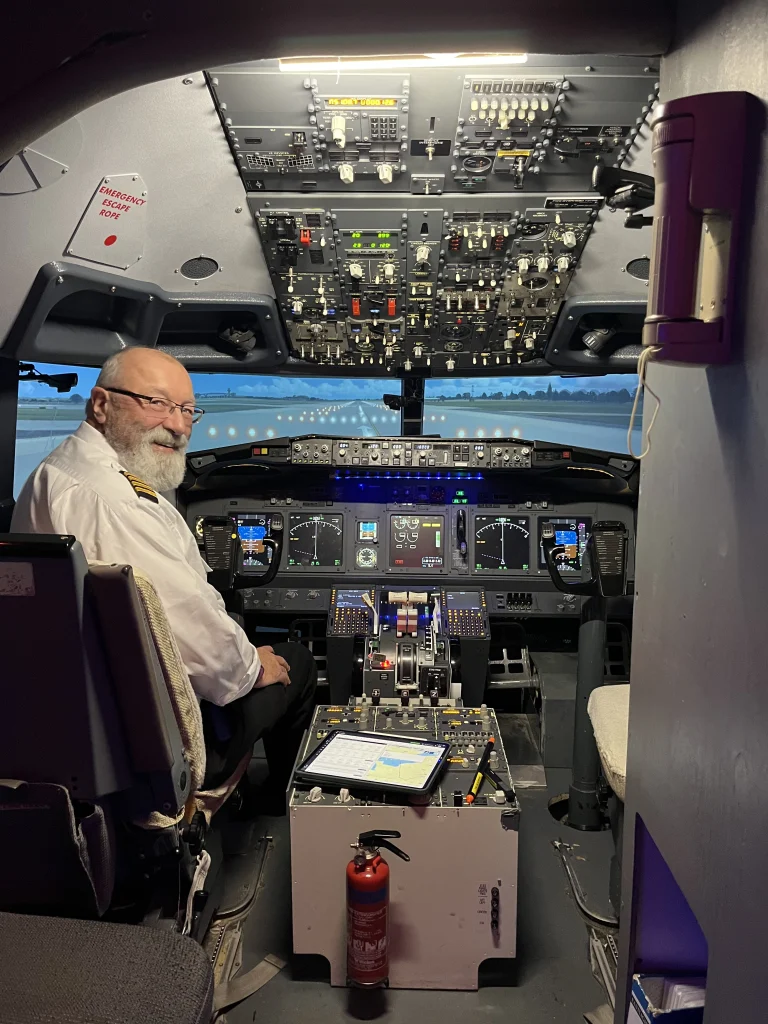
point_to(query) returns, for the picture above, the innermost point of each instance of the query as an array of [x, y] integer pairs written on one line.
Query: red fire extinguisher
[[368, 909]]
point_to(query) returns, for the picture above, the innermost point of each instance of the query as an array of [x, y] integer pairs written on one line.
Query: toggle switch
[[339, 131]]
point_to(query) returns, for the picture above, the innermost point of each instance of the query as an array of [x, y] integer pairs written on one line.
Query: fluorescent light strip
[[309, 65]]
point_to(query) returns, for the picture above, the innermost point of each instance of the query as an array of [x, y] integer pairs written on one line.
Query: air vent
[[639, 268], [199, 267]]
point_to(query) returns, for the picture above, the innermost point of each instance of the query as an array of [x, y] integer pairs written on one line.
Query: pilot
[[103, 485]]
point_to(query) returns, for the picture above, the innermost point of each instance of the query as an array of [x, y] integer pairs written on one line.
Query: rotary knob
[[569, 239], [422, 254], [384, 172], [347, 173], [356, 271]]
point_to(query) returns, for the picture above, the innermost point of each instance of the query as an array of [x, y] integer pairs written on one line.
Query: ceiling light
[[387, 62]]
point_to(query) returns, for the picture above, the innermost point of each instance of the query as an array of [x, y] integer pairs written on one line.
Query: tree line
[[618, 397]]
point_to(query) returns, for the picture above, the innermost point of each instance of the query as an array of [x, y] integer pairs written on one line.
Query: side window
[[45, 417]]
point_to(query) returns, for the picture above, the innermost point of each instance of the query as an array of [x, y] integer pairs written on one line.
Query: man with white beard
[[102, 486]]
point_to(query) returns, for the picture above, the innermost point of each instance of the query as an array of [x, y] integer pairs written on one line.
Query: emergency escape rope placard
[[111, 230]]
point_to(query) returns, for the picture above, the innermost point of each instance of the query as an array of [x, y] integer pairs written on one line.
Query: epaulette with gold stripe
[[143, 490]]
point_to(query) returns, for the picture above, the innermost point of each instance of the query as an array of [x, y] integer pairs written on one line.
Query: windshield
[[591, 412], [238, 408]]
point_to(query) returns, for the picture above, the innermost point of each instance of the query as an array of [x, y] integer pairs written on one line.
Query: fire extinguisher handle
[[381, 837], [393, 849]]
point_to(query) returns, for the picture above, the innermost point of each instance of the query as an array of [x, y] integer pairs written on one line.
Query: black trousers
[[277, 714]]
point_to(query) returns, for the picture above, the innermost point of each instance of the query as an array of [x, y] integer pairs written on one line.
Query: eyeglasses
[[162, 407]]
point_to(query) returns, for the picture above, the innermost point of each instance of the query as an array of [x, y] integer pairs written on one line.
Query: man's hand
[[274, 668]]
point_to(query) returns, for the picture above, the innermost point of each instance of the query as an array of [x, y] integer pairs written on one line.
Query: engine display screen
[[252, 529], [416, 542], [571, 534], [502, 543], [315, 540]]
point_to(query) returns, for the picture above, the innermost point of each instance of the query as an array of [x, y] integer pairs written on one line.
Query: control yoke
[[223, 552], [607, 553], [275, 545]]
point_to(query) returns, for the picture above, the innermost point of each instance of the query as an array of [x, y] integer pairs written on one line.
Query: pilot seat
[[101, 747]]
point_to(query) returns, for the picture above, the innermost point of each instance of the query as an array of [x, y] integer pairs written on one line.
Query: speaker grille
[[199, 267], [639, 268]]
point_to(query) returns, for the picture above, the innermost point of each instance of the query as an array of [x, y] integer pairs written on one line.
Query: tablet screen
[[381, 760]]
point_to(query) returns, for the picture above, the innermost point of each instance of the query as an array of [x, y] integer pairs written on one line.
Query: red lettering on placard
[[109, 213]]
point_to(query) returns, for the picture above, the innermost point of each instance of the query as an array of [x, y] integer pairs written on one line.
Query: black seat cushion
[[90, 972]]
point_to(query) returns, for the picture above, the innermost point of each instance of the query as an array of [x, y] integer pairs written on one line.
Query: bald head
[[149, 437], [136, 369]]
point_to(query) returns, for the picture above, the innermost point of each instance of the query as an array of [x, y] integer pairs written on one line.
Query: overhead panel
[[427, 219]]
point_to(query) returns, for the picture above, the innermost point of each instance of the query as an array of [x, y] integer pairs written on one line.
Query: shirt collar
[[91, 436]]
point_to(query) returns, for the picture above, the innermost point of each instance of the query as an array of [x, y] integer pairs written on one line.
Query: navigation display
[[252, 529], [389, 762], [416, 542], [315, 540], [502, 543], [572, 534]]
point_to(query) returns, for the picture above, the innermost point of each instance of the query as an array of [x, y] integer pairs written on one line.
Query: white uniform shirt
[[79, 489]]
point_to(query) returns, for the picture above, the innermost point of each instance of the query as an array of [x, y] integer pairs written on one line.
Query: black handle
[[461, 532], [275, 544], [607, 553], [549, 546], [380, 838]]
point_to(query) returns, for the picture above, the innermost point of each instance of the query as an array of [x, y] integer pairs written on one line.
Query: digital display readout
[[361, 101], [371, 239], [351, 599], [463, 599]]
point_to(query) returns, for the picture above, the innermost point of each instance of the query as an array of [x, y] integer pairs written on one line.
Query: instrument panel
[[421, 541]]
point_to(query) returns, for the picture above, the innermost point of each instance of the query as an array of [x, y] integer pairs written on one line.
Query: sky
[[263, 386]]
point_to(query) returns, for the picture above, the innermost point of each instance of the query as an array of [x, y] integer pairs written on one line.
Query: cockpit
[[437, 316]]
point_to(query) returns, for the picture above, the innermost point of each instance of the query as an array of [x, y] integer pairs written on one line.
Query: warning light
[[110, 240]]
